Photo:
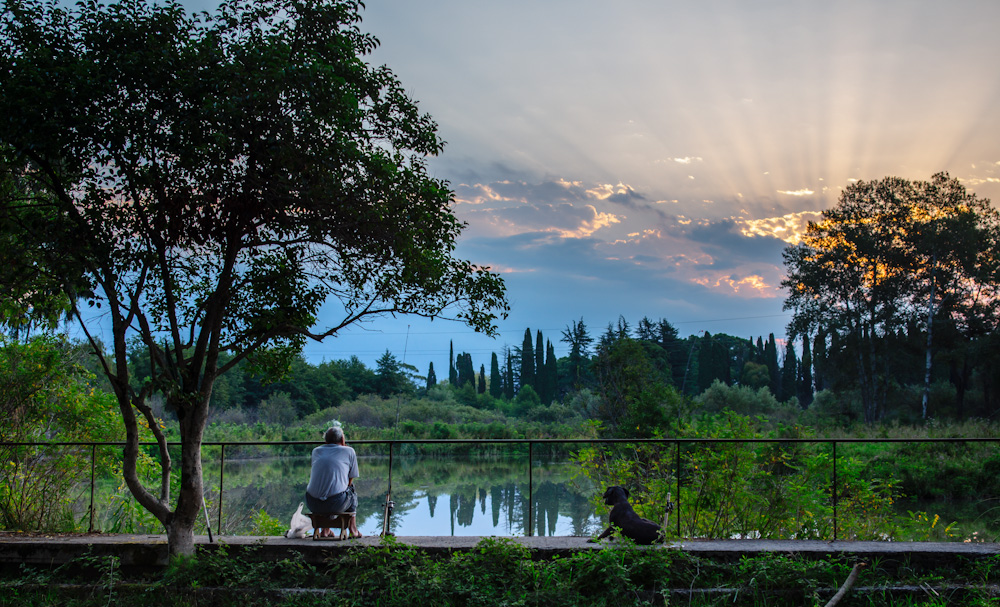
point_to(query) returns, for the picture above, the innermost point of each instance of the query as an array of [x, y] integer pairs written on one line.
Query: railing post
[[387, 509], [677, 506], [835, 491], [531, 495], [93, 467], [222, 475]]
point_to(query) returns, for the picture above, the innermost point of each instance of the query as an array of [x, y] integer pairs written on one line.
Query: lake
[[483, 494], [433, 496]]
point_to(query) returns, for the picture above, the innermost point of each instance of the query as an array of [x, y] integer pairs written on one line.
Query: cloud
[[564, 220], [749, 286], [621, 194], [509, 191], [974, 181], [687, 159], [802, 192], [788, 228]]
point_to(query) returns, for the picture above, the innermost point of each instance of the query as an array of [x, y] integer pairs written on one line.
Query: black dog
[[624, 519]]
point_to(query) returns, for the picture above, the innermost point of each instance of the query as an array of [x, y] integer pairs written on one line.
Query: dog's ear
[[626, 492]]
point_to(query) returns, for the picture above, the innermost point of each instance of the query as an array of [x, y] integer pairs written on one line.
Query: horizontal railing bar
[[520, 441]]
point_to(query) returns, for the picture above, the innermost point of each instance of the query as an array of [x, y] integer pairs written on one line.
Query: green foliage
[[637, 400], [754, 489], [495, 572], [265, 524], [744, 400], [46, 396]]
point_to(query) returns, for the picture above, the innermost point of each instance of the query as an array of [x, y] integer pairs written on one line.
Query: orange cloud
[[754, 286], [789, 228]]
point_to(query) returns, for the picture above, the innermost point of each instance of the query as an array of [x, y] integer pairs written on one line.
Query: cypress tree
[[496, 383], [805, 375], [551, 373], [705, 368], [819, 360], [674, 347], [508, 381], [466, 372], [771, 360], [527, 361], [432, 379], [540, 380], [720, 362], [481, 387], [452, 371], [789, 373]]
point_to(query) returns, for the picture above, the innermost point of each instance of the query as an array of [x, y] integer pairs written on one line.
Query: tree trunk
[[930, 343], [180, 528]]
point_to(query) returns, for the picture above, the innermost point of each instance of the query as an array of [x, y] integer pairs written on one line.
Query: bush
[[45, 395]]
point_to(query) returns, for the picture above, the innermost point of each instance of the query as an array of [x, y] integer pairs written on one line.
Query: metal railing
[[677, 443]]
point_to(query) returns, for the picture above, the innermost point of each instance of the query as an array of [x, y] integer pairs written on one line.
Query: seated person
[[331, 479]]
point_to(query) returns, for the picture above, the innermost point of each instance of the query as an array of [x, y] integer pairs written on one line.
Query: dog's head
[[615, 495], [300, 524]]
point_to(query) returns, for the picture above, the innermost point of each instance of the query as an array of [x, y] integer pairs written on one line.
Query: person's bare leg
[[354, 526]]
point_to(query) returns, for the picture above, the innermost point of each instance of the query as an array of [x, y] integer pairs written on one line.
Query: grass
[[501, 572]]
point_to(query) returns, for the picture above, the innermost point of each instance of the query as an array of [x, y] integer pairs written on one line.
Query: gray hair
[[334, 434]]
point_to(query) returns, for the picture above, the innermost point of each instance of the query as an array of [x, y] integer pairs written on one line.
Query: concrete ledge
[[151, 550]]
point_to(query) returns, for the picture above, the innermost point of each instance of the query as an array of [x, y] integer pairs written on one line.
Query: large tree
[[215, 179], [895, 252]]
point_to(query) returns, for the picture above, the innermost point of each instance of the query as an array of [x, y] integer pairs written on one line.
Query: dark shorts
[[342, 502]]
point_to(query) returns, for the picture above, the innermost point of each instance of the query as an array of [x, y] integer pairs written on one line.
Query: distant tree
[[431, 376], [713, 361], [667, 338], [789, 374], [551, 373], [646, 330], [452, 370], [508, 380], [819, 360], [540, 379], [579, 351], [496, 381], [771, 361], [614, 333], [755, 375], [706, 370], [527, 373], [390, 376], [805, 382], [481, 386], [636, 400], [466, 371], [526, 400], [358, 378]]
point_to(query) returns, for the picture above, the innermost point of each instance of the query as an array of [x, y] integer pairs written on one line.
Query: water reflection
[[437, 497]]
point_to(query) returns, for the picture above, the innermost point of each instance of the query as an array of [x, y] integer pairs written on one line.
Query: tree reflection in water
[[562, 503]]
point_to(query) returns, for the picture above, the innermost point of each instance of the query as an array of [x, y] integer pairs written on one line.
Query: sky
[[653, 158]]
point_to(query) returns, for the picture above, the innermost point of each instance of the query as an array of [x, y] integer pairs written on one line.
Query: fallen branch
[[847, 585]]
